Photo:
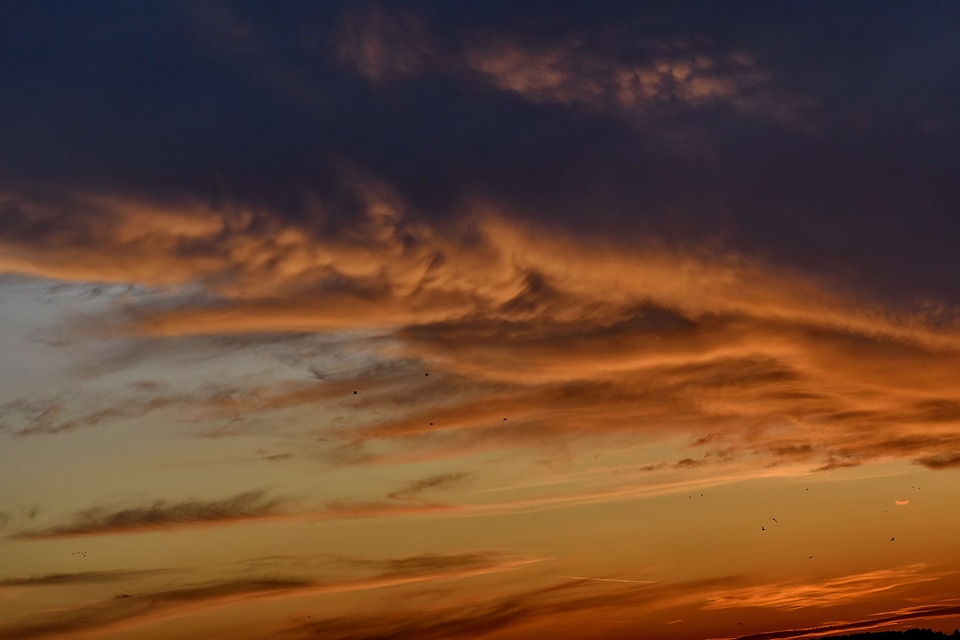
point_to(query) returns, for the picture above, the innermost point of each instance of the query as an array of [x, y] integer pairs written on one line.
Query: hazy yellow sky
[[423, 321]]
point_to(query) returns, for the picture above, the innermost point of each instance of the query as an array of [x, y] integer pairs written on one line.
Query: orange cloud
[[922, 612], [830, 592], [572, 337]]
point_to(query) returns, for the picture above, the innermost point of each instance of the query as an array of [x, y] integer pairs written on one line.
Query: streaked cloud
[[885, 619], [546, 610], [159, 604], [161, 514], [80, 577], [826, 593], [433, 483]]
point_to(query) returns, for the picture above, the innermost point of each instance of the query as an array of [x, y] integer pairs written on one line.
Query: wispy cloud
[[243, 507], [830, 592], [921, 612], [147, 607], [80, 577], [141, 608], [545, 610], [433, 483]]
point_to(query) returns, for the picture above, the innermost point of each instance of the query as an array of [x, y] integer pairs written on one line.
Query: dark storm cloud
[[236, 104], [243, 507]]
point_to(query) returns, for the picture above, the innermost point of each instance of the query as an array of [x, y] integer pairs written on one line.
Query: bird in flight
[[809, 557], [891, 539], [762, 528], [775, 520]]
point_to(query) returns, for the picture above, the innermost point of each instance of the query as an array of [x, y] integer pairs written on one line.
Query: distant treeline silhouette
[[909, 634]]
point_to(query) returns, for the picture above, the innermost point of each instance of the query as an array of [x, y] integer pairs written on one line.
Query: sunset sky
[[447, 320]]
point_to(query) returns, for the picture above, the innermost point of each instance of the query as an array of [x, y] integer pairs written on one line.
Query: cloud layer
[[161, 514]]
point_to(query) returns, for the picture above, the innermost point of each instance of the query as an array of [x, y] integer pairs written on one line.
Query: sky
[[440, 320]]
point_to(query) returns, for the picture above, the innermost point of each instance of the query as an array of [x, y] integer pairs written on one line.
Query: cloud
[[374, 509], [243, 507], [688, 463], [920, 612], [384, 44], [81, 577], [277, 457], [143, 608], [940, 461], [574, 338], [641, 81], [830, 592], [433, 483], [432, 563], [544, 610], [573, 74]]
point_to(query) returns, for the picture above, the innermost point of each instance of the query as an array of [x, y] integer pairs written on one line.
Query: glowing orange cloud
[[571, 337]]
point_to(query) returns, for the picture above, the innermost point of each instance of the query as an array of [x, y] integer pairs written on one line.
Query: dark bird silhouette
[[891, 539], [762, 528], [504, 419], [354, 393], [426, 374], [809, 557], [775, 520]]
